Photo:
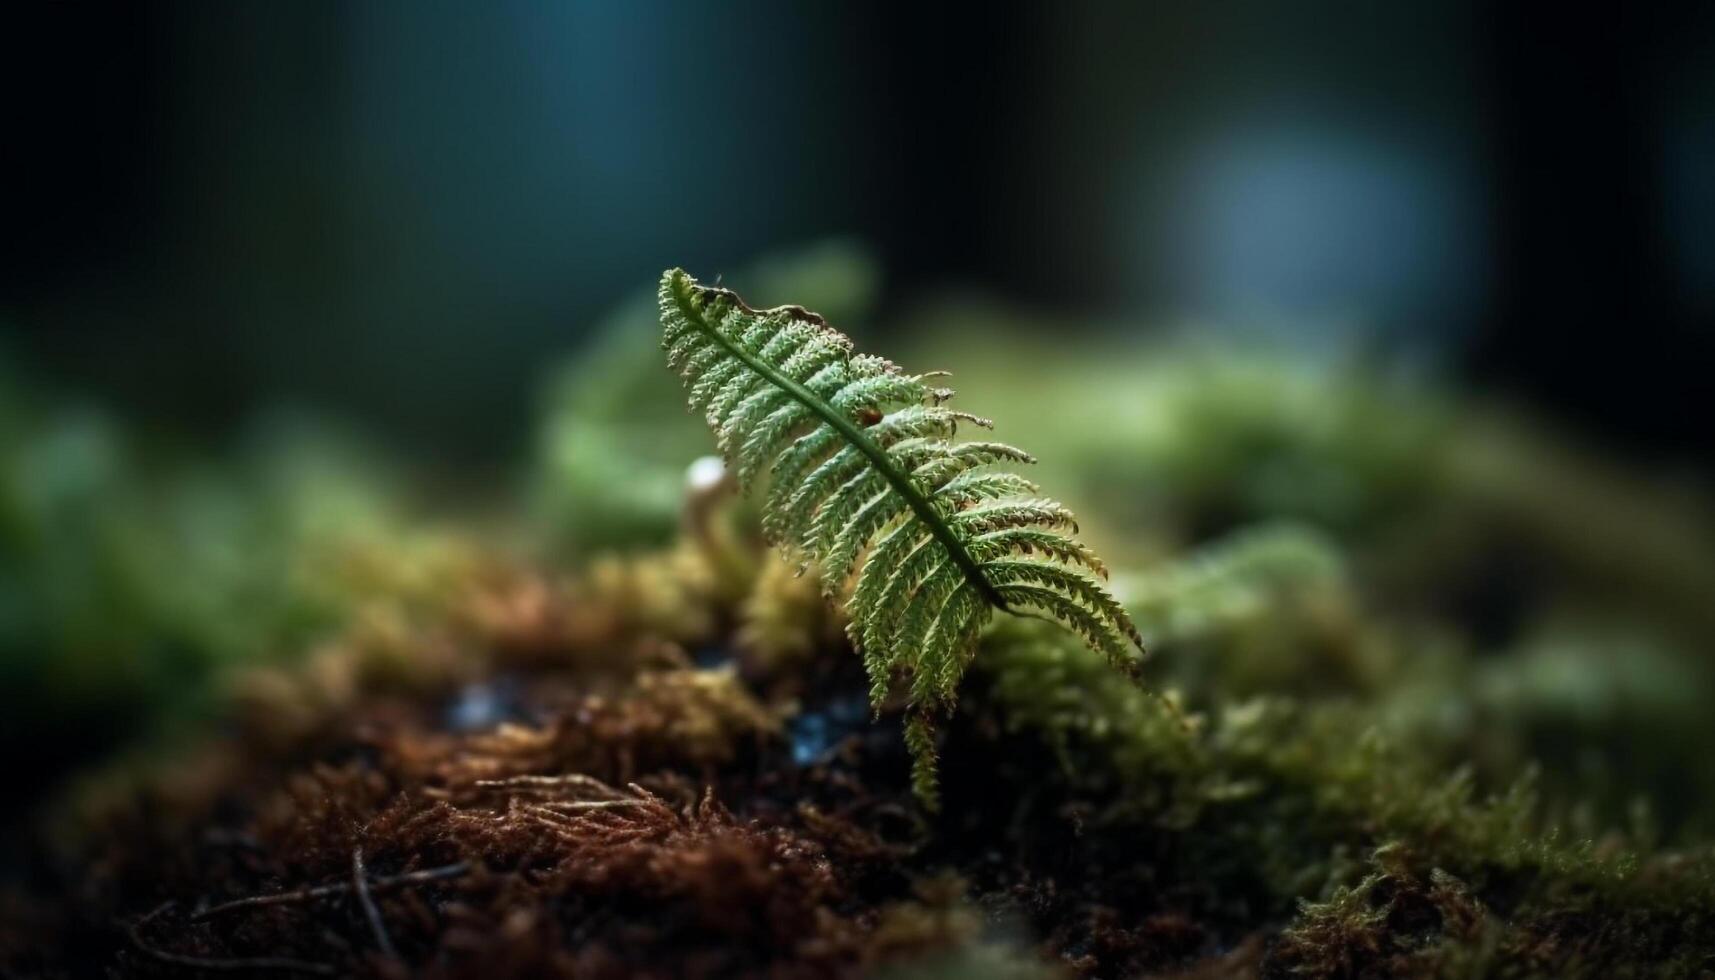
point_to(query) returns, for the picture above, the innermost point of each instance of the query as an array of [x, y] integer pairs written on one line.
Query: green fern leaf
[[865, 480]]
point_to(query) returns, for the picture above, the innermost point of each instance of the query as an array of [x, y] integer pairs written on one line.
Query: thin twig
[[544, 784], [337, 888], [574, 806], [360, 885], [552, 818], [235, 965]]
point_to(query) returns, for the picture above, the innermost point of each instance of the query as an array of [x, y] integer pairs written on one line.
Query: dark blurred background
[[399, 211]]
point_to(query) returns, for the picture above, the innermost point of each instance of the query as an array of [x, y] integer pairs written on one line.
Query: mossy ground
[[1429, 698], [553, 780]]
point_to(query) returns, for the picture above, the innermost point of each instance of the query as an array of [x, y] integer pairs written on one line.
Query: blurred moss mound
[[134, 573], [1428, 698]]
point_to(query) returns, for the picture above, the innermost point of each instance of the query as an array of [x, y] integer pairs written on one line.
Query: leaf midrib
[[897, 478]]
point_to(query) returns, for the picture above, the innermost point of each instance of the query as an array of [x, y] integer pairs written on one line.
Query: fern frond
[[866, 480]]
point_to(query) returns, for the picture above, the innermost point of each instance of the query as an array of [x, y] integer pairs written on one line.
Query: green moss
[[1284, 800]]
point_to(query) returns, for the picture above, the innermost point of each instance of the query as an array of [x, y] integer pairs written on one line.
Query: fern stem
[[899, 479]]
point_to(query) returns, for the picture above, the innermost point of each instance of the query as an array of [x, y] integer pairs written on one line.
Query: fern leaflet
[[864, 479]]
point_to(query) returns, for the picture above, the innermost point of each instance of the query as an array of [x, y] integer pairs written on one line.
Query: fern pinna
[[863, 474]]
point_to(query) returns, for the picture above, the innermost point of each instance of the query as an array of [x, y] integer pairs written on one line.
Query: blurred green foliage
[[1490, 591], [132, 573]]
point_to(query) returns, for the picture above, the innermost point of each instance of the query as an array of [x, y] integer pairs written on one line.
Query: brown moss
[[582, 881], [476, 867], [681, 719]]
